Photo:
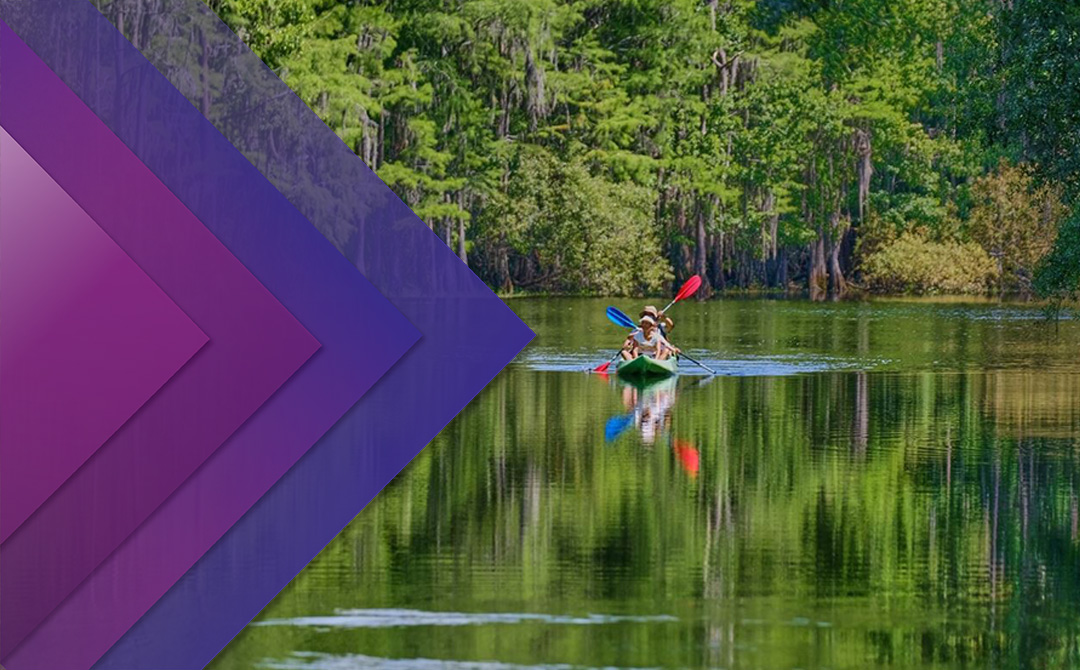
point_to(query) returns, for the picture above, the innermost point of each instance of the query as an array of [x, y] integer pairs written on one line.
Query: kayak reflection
[[649, 408]]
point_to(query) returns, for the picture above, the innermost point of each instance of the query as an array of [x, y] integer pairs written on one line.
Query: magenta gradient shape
[[87, 336], [255, 346], [362, 336]]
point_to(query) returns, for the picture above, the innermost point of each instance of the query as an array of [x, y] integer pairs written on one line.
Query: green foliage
[[1041, 100], [275, 29], [1014, 222], [914, 264], [753, 139], [1058, 275], [580, 232]]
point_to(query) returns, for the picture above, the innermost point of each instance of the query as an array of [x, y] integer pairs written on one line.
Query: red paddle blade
[[602, 368], [689, 288]]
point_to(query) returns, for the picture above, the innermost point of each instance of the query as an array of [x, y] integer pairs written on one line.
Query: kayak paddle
[[619, 318], [688, 289], [603, 367]]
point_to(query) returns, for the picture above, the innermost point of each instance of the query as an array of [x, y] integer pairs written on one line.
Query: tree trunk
[[534, 87], [837, 283], [366, 141], [502, 269], [502, 128], [678, 250], [444, 231], [701, 247], [782, 269], [819, 278], [838, 229], [461, 241], [865, 168], [718, 279], [381, 155], [774, 224]]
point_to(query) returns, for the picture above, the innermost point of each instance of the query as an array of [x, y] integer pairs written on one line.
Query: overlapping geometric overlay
[[97, 169], [255, 346], [468, 336], [84, 329]]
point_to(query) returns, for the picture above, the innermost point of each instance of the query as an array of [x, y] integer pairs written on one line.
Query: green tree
[[1040, 107], [573, 231]]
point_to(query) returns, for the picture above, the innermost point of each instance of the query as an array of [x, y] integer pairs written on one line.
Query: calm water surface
[[866, 485]]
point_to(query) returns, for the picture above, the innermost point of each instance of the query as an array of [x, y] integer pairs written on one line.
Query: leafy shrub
[[913, 264], [1016, 221]]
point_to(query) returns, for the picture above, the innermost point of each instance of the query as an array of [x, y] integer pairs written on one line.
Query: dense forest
[[612, 146]]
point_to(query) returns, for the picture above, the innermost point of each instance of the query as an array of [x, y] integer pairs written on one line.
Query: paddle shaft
[[702, 365]]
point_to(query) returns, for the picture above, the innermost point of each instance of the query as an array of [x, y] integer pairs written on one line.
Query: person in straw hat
[[662, 320], [647, 340]]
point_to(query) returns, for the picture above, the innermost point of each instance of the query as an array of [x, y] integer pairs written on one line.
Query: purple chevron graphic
[[85, 332], [255, 345], [468, 336], [333, 300]]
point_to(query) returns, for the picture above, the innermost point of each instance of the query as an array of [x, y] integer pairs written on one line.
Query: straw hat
[[647, 320], [650, 310]]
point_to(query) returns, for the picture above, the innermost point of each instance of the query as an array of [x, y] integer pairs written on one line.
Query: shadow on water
[[916, 505]]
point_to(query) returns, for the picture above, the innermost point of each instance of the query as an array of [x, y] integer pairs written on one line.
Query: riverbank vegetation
[[614, 146]]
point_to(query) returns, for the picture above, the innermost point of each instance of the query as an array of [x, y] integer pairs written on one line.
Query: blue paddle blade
[[616, 426], [620, 319]]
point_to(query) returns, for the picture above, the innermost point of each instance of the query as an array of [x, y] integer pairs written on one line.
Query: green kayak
[[643, 367]]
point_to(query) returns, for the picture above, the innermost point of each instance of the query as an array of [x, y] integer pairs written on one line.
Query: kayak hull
[[644, 367]]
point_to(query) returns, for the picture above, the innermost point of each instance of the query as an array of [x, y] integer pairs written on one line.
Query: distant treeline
[[612, 146]]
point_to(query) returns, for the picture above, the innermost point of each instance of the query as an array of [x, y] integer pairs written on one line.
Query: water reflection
[[649, 409], [919, 516]]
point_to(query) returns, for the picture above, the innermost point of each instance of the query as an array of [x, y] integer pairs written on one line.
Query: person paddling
[[647, 340], [662, 320]]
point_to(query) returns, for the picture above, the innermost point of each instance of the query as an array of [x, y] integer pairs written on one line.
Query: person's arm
[[669, 345], [669, 325]]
